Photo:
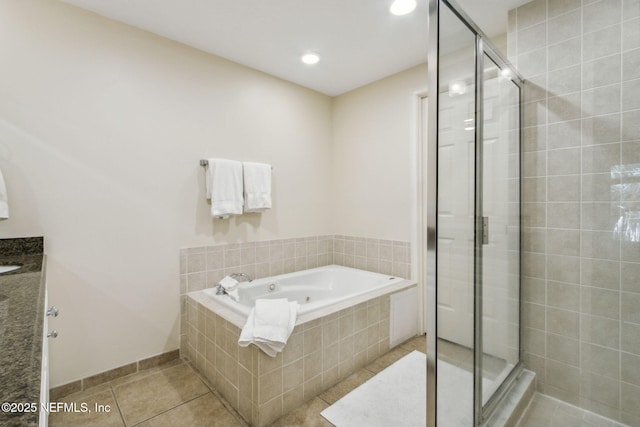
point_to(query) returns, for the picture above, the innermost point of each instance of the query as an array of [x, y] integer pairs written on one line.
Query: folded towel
[[230, 284], [4, 204], [257, 186], [269, 325], [224, 187]]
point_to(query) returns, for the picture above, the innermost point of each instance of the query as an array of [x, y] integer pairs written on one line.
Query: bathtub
[[343, 324], [319, 291]]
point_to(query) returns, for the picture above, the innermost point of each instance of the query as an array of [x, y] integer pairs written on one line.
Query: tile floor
[[544, 411], [174, 394]]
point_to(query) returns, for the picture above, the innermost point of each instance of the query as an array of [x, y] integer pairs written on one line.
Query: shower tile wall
[[581, 148]]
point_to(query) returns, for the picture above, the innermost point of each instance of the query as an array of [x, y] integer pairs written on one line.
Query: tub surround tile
[[321, 351], [313, 361]]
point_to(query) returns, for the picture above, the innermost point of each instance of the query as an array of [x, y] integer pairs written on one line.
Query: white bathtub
[[320, 291]]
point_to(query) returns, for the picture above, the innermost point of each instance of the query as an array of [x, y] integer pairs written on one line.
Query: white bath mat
[[397, 397], [394, 397]]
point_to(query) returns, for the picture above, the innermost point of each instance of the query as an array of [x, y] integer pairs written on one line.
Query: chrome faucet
[[220, 290]]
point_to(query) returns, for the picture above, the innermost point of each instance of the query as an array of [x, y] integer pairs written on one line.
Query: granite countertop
[[22, 294]]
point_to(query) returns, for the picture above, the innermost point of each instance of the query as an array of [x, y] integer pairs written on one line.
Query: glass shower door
[[500, 300], [475, 227]]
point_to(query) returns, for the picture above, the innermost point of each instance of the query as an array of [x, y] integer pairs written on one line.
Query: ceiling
[[358, 41]]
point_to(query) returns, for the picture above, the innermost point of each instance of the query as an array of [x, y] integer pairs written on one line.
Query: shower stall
[[473, 221]]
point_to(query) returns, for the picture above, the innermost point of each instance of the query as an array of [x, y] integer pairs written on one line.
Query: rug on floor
[[394, 397], [397, 397]]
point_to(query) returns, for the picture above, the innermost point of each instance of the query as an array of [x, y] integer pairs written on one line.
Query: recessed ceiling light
[[402, 7], [310, 58]]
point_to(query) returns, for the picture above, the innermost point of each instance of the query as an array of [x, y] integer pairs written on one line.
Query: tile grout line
[[115, 399], [168, 410]]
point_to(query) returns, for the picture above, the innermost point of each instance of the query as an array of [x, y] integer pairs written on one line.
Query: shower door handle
[[485, 230]]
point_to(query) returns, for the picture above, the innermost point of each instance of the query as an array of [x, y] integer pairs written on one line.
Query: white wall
[[101, 129], [374, 132]]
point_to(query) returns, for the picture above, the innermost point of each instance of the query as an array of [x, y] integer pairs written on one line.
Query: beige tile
[[534, 214], [601, 129], [630, 307], [331, 332], [534, 341], [604, 42], [563, 108], [630, 368], [417, 343], [564, 135], [535, 137], [631, 9], [563, 268], [600, 273], [145, 373], [312, 365], [631, 125], [196, 262], [293, 375], [312, 340], [563, 295], [598, 388], [533, 37], [531, 13], [563, 322], [630, 338], [307, 415], [338, 391], [203, 411], [387, 359], [270, 386], [109, 417], [601, 14], [312, 387], [142, 399], [600, 360], [563, 349], [563, 215], [109, 375], [600, 330], [59, 392], [534, 189], [601, 72], [563, 242], [564, 27], [631, 59]]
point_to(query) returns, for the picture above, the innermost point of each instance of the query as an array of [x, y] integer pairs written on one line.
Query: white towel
[[224, 187], [4, 201], [269, 325], [257, 186]]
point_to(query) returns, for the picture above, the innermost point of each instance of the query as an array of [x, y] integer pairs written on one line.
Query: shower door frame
[[482, 47]]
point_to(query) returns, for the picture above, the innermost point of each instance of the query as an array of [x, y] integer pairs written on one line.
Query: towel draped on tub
[[270, 324]]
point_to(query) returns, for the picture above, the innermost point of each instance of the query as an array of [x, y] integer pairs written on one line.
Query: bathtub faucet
[[220, 290]]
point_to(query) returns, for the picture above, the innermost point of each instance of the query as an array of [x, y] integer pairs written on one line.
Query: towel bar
[[204, 162]]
